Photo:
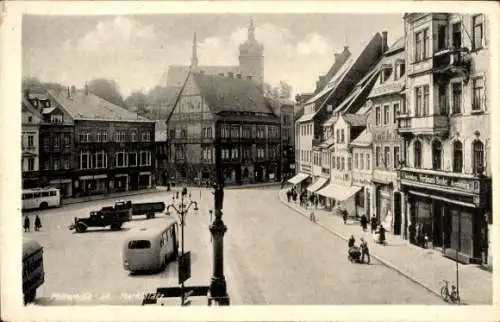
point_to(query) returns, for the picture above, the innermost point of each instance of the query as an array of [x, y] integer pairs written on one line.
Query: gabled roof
[[370, 49], [224, 94], [30, 108], [390, 86], [399, 44], [355, 119], [81, 106], [365, 139]]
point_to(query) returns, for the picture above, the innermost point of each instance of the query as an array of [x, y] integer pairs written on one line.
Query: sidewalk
[[426, 267]]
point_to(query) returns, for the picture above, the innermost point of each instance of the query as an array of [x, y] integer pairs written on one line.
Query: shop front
[[300, 181], [121, 183], [145, 180], [341, 195], [92, 185], [319, 183], [64, 186], [447, 212]]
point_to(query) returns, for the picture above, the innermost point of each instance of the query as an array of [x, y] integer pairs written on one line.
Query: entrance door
[[397, 213], [437, 218]]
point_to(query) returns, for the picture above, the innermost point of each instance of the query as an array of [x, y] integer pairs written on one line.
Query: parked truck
[[114, 217], [147, 208]]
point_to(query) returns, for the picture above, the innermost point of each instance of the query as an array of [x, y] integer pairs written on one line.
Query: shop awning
[[298, 178], [339, 192], [317, 185]]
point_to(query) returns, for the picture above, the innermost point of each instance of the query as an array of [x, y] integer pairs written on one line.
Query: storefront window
[[457, 156], [437, 150]]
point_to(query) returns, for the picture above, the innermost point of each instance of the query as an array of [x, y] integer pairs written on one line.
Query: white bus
[[150, 249], [41, 198]]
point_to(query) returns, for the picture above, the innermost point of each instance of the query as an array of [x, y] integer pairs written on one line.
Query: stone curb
[[249, 186], [73, 201], [380, 259]]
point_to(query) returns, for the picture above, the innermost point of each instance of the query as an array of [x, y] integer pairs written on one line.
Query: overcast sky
[[135, 50]]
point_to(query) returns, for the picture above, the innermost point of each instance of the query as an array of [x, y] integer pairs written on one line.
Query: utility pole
[[218, 288]]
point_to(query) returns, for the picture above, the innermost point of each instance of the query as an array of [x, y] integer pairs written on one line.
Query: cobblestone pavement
[[426, 267], [272, 256]]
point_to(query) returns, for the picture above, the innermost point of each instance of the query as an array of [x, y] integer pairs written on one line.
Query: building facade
[[161, 154], [90, 146], [30, 159], [387, 100], [362, 171], [234, 111], [446, 176]]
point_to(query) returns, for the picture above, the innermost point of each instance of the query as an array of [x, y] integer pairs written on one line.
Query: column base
[[218, 291]]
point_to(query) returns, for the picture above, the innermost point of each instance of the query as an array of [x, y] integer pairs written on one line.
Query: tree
[[137, 101], [283, 90], [36, 85], [107, 89]]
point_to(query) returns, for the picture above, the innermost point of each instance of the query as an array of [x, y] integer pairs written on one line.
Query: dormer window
[[400, 69], [385, 73], [56, 118]]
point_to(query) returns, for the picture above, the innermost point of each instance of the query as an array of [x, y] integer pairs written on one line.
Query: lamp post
[[218, 288], [182, 212]]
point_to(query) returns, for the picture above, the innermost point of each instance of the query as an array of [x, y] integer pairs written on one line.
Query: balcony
[[452, 62], [424, 125]]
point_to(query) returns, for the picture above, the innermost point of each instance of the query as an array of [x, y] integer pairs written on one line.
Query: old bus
[[33, 273], [41, 198], [150, 249]]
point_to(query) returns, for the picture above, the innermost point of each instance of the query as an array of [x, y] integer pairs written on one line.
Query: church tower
[[252, 58], [194, 56]]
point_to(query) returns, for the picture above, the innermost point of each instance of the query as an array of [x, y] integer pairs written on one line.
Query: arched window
[[417, 153], [458, 158], [478, 157], [437, 153]]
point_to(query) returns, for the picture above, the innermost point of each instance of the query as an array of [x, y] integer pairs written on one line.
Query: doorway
[[397, 213]]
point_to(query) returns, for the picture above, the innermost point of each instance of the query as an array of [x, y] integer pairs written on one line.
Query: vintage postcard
[[278, 160]]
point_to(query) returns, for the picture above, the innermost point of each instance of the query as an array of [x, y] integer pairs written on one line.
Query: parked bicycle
[[447, 295]]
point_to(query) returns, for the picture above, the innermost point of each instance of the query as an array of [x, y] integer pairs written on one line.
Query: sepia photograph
[[255, 158]]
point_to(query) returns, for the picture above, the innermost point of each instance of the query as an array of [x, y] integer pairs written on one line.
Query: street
[[272, 255]]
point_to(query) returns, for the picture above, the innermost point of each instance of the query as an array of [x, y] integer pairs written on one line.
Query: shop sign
[[458, 183]]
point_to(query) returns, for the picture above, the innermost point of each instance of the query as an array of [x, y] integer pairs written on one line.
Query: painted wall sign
[[468, 185]]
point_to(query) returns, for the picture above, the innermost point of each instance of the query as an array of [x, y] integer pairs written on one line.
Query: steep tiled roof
[[92, 107], [224, 94], [390, 86], [27, 105], [177, 74], [363, 140], [397, 45], [355, 119]]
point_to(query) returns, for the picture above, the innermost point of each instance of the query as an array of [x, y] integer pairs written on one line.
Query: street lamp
[[182, 212]]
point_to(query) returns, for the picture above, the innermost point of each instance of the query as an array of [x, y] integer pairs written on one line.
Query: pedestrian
[[381, 234], [38, 223], [364, 222], [289, 195], [316, 201], [351, 241], [26, 224], [373, 224], [312, 216], [364, 251], [344, 215], [294, 195], [177, 194]]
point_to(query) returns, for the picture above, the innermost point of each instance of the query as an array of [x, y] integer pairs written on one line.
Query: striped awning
[[339, 192], [298, 178], [317, 185]]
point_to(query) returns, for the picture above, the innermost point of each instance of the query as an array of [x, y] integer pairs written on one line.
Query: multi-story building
[[284, 109], [95, 146], [234, 111], [318, 109], [31, 119], [387, 100], [161, 154], [362, 156], [56, 144], [446, 178]]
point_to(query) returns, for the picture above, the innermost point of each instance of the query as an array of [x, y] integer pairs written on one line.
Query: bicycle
[[448, 296]]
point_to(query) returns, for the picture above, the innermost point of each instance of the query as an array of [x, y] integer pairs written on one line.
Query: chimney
[[346, 48], [384, 41], [69, 94], [86, 89]]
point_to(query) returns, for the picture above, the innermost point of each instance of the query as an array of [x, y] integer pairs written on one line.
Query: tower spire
[[194, 57], [251, 31]]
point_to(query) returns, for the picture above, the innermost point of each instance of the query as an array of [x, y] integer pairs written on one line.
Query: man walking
[[26, 224], [364, 251], [373, 224], [38, 223]]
